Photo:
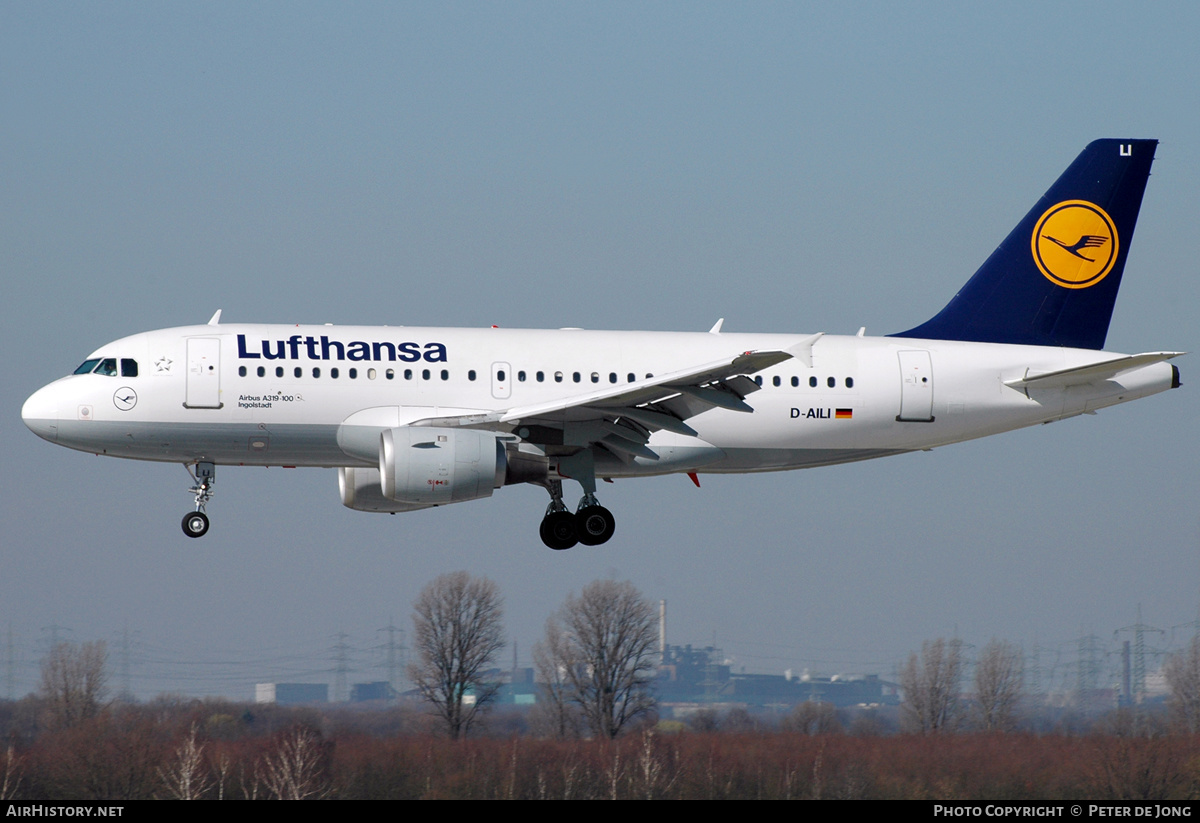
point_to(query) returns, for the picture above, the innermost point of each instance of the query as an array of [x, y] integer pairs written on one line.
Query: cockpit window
[[86, 367], [107, 367], [128, 367]]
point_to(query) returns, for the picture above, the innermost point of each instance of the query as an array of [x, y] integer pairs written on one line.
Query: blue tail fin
[[1054, 279]]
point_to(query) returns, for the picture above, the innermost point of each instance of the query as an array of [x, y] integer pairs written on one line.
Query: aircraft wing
[[1090, 374], [623, 417], [711, 384]]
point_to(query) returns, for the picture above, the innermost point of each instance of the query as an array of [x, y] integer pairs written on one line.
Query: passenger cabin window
[[541, 376], [795, 381], [241, 371], [471, 375], [849, 382], [775, 381], [521, 377], [831, 382], [279, 371], [298, 371], [262, 372], [812, 381]]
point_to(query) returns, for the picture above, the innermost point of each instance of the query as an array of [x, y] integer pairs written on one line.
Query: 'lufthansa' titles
[[322, 348]]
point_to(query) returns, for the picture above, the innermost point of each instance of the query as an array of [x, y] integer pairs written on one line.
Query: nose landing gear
[[195, 524]]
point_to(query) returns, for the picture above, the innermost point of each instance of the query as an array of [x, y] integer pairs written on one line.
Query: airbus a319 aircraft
[[419, 417]]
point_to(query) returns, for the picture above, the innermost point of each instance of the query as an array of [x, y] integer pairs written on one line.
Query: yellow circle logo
[[1075, 244]]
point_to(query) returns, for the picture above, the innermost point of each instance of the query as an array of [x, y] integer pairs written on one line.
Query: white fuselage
[[320, 395]]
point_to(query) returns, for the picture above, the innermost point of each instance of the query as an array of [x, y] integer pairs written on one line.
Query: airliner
[[417, 417]]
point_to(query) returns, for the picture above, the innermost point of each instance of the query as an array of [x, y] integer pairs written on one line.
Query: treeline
[[594, 731], [217, 750]]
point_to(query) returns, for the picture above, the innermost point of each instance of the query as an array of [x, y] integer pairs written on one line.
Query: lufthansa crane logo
[[1075, 244], [125, 398]]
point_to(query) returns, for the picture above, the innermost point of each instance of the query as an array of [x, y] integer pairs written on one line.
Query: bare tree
[[294, 770], [999, 678], [1182, 673], [74, 681], [605, 651], [931, 686], [458, 632], [555, 714], [11, 779], [187, 778], [812, 717]]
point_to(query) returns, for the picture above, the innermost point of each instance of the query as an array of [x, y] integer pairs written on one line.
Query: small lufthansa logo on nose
[[125, 398], [1075, 244]]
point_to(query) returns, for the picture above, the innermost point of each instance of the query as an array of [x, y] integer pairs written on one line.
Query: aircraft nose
[[40, 413]]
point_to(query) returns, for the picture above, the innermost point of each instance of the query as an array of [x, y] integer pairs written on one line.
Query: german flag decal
[[843, 414]]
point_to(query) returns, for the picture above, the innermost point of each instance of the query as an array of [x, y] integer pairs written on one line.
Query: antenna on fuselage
[[215, 320]]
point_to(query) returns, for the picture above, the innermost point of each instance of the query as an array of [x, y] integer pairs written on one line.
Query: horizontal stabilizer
[[1090, 374]]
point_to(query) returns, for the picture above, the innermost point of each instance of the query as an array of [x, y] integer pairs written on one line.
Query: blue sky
[[790, 167]]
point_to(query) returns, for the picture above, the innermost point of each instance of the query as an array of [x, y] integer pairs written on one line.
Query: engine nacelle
[[434, 466], [361, 491]]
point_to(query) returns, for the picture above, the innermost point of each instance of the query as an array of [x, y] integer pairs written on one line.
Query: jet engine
[[361, 491], [427, 466]]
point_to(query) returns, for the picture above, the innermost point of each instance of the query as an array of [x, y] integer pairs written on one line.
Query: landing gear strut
[[195, 524], [591, 524]]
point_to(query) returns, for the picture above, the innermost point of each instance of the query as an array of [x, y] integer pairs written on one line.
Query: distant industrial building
[[380, 691], [698, 676], [291, 694]]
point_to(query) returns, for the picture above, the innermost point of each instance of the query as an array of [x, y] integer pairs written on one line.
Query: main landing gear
[[195, 524], [591, 524]]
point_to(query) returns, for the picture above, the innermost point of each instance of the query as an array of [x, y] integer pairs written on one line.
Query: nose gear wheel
[[195, 524]]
